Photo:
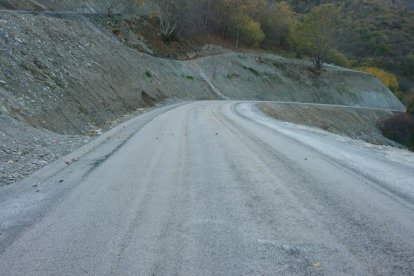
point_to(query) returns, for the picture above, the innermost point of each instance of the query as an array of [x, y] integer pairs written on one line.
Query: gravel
[[24, 150]]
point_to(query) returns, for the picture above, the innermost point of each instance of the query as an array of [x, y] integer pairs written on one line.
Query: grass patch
[[148, 74], [279, 65], [232, 76], [189, 77], [272, 77], [253, 71]]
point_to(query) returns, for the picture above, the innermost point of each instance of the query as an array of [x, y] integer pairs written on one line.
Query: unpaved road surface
[[213, 188]]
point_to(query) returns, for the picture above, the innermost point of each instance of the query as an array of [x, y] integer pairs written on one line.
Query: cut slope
[[357, 123], [98, 6], [239, 76], [67, 75]]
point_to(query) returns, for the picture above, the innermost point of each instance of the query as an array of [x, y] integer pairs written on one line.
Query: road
[[213, 188]]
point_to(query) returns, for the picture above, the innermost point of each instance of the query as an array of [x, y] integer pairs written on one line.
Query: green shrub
[[253, 71], [148, 74], [410, 107], [407, 66], [339, 59], [232, 76]]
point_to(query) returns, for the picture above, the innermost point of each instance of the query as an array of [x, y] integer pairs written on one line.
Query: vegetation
[[172, 17], [371, 34], [148, 74], [315, 35], [400, 128], [253, 71], [388, 79], [410, 107], [338, 58]]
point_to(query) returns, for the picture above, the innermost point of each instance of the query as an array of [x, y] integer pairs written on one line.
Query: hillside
[[334, 119], [66, 76], [98, 6], [69, 60]]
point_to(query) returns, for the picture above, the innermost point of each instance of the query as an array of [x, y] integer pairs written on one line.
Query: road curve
[[215, 188]]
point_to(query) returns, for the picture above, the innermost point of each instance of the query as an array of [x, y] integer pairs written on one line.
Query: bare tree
[[172, 16]]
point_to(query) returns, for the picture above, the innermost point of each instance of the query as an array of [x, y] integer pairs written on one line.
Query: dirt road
[[213, 188]]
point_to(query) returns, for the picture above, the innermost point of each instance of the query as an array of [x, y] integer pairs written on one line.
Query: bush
[[148, 74], [399, 128], [388, 79], [407, 66], [250, 31], [410, 107], [339, 59]]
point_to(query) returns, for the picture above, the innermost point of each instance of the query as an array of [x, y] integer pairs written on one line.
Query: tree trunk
[[207, 14], [318, 63], [237, 37]]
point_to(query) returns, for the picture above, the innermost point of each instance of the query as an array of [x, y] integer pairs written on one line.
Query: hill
[[71, 61], [65, 76]]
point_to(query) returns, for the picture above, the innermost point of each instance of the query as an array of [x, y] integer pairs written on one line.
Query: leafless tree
[[172, 16]]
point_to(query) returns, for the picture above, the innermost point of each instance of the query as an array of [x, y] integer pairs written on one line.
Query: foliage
[[388, 79], [252, 70], [372, 33], [410, 106], [407, 66], [399, 128], [148, 74], [339, 59], [316, 33], [277, 23], [249, 30]]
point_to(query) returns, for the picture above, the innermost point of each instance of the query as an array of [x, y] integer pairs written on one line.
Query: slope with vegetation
[[67, 73], [352, 33]]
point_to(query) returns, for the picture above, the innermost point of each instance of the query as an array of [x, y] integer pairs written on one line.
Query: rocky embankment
[[354, 122], [62, 76]]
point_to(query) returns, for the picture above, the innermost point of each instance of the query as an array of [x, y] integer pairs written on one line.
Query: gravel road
[[213, 188]]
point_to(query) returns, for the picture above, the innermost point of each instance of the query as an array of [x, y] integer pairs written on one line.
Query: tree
[[277, 21], [410, 106], [172, 15], [407, 66], [248, 30], [315, 35], [225, 12]]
